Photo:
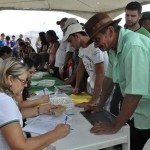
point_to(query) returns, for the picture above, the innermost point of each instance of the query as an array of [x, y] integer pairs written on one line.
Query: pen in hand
[[66, 119], [44, 91]]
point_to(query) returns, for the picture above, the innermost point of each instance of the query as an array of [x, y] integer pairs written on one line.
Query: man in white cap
[[69, 22], [70, 52], [65, 51], [91, 59]]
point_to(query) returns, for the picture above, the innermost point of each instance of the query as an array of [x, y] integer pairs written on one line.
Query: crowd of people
[[100, 57]]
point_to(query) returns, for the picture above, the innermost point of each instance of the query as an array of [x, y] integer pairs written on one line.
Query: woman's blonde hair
[[11, 66]]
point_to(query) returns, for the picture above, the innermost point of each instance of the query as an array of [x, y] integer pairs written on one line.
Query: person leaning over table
[[72, 79], [132, 16], [13, 79], [129, 65], [91, 59], [65, 51]]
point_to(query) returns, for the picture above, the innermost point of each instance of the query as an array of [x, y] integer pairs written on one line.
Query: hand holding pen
[[66, 119], [44, 91], [62, 130]]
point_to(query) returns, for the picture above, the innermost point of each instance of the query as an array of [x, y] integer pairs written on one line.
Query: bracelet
[[38, 110]]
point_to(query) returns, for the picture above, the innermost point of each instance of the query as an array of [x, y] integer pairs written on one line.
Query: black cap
[[62, 20], [146, 15]]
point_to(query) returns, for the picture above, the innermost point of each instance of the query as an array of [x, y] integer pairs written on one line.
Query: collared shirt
[[143, 31], [130, 67]]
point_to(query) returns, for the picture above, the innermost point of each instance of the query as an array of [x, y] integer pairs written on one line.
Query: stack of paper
[[44, 123]]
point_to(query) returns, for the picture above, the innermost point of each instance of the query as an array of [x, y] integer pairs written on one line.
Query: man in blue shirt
[[2, 40], [13, 45]]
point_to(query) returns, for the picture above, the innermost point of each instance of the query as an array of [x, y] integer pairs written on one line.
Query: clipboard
[[104, 116]]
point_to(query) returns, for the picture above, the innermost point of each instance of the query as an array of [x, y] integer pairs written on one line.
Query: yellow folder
[[83, 97]]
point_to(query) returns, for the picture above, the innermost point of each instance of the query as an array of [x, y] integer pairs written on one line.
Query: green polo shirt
[[143, 31], [130, 67]]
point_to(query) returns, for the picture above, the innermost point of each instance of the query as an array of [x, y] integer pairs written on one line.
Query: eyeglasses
[[21, 80], [31, 72]]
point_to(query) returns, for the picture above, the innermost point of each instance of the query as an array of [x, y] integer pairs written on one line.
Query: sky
[[18, 21]]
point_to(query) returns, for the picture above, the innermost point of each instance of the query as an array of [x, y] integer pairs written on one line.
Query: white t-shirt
[[61, 53], [147, 145], [9, 113], [91, 56]]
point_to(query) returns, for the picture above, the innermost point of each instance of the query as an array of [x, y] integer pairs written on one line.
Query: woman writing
[[13, 80]]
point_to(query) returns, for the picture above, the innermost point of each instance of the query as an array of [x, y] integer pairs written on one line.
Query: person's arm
[[102, 85], [107, 88], [79, 76], [99, 70], [32, 103], [44, 49], [52, 54], [29, 112], [56, 46], [69, 56], [70, 80], [129, 105], [38, 143], [37, 110]]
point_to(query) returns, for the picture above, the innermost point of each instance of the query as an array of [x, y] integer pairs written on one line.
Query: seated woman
[[22, 99], [13, 80]]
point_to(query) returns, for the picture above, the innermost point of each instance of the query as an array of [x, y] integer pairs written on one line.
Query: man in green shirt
[[133, 13], [129, 65]]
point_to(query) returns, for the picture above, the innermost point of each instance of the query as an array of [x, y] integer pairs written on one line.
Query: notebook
[[98, 116]]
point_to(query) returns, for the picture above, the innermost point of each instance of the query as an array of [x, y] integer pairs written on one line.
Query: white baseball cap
[[74, 28], [70, 21]]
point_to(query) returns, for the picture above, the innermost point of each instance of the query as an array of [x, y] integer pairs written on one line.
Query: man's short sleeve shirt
[[130, 67]]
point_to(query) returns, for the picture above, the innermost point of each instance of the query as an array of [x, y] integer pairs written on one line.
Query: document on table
[[64, 89], [40, 93], [44, 123]]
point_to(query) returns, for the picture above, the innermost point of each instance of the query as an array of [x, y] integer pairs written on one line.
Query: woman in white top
[[13, 80]]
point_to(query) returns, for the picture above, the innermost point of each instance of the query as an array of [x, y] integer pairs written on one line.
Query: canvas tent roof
[[82, 8]]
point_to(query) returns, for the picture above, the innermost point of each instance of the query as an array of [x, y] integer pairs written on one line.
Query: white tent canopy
[[82, 8]]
